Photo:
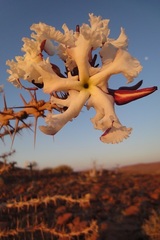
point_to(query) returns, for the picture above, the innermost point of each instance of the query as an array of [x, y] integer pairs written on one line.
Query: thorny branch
[[34, 108]]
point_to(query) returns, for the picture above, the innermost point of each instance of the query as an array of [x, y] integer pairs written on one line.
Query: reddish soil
[[119, 202], [142, 168]]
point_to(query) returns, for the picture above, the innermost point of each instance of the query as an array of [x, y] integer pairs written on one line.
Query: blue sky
[[78, 144]]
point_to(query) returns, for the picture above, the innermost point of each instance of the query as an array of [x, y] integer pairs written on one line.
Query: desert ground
[[103, 205]]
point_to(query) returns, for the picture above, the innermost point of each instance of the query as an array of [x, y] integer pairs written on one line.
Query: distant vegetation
[[62, 169], [152, 226]]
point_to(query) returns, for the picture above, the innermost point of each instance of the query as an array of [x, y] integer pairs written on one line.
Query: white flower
[[85, 84]]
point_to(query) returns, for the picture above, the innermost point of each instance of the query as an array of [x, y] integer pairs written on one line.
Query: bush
[[63, 169], [151, 227], [2, 184]]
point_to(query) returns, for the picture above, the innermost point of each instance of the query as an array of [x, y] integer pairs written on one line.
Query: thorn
[[34, 98], [8, 129], [4, 100], [28, 126], [24, 101], [35, 95], [2, 138], [26, 87], [35, 130], [15, 131]]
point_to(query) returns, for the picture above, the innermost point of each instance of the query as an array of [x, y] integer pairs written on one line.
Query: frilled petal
[[115, 134], [31, 48], [52, 82], [69, 36], [89, 37], [116, 61], [21, 67], [79, 54], [105, 118], [97, 32], [108, 54], [14, 73], [48, 47], [56, 121], [103, 103], [121, 41], [123, 63], [48, 130], [43, 31]]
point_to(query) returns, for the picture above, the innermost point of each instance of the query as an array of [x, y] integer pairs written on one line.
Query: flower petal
[[116, 61], [52, 82], [22, 68], [72, 94], [98, 30], [48, 130], [79, 54], [121, 41], [43, 31], [48, 47], [117, 133], [103, 103], [105, 118], [56, 121]]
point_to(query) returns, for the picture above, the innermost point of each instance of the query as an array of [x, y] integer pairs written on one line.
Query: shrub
[[151, 227], [2, 182], [63, 169]]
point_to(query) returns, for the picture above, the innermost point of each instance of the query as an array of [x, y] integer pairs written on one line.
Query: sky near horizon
[[78, 144]]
